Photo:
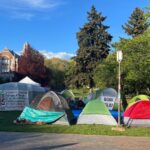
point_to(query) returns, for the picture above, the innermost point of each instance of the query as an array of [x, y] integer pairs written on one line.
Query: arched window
[[5, 64]]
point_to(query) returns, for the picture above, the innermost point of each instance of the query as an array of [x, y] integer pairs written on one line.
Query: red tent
[[138, 114]]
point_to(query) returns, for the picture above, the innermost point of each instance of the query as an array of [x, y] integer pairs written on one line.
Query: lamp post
[[119, 59]]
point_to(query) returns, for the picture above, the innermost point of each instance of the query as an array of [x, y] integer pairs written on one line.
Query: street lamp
[[119, 59]]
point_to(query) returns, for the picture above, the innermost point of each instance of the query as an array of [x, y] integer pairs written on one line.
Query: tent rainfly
[[138, 98], [138, 114]]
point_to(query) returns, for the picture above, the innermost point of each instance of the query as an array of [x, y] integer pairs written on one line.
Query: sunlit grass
[[6, 124]]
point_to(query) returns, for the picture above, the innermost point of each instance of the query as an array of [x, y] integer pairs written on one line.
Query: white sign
[[13, 100], [109, 101]]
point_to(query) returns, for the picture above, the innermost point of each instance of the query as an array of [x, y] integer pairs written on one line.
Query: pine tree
[[137, 23], [93, 41]]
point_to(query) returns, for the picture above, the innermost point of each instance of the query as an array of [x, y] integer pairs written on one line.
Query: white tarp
[[13, 100]]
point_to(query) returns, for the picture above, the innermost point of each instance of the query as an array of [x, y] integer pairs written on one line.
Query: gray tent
[[52, 101], [109, 97]]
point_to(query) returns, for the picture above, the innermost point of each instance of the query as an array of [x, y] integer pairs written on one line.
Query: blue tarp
[[34, 115], [113, 113]]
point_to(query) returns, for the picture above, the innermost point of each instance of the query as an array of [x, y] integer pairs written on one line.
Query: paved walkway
[[47, 141]]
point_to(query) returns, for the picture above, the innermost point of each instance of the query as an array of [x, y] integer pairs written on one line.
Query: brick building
[[8, 63]]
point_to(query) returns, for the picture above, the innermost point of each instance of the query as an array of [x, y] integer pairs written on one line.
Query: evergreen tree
[[137, 23], [93, 41]]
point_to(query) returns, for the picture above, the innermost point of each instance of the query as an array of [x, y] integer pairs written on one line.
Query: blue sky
[[50, 26]]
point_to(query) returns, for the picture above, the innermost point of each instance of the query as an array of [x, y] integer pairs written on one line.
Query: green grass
[[6, 124]]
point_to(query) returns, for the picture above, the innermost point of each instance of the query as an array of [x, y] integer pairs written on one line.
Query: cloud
[[27, 9], [40, 4], [61, 55], [49, 55], [23, 15]]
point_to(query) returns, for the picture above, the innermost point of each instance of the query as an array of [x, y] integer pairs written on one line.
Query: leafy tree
[[147, 13], [137, 23], [69, 74], [31, 64], [57, 69], [106, 73], [93, 41], [136, 62], [135, 70]]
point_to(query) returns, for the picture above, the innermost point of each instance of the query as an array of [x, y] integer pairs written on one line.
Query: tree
[[137, 23], [135, 70], [31, 64], [93, 41], [135, 65], [57, 69], [69, 74], [147, 13], [106, 73]]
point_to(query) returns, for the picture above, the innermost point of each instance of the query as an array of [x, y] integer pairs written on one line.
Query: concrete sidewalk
[[48, 141]]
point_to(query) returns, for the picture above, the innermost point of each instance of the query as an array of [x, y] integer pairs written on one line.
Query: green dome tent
[[98, 93], [138, 114], [88, 98], [138, 98], [96, 112], [91, 96], [67, 94]]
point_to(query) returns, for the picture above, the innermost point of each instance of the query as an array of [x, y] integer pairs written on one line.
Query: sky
[[50, 26]]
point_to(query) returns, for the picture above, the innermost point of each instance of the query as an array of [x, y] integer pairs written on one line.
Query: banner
[[109, 101], [13, 100]]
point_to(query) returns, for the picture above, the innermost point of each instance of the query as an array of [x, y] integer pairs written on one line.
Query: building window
[[5, 65]]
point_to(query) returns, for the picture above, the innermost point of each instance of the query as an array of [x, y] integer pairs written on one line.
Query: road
[[48, 141]]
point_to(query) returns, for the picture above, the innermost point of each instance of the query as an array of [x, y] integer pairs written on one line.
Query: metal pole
[[119, 94]]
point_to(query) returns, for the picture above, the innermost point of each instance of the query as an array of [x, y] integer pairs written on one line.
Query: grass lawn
[[6, 124]]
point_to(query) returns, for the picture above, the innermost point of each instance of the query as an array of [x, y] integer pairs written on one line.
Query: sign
[[13, 100], [109, 101]]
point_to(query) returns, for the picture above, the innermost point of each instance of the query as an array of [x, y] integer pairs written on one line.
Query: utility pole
[[119, 59]]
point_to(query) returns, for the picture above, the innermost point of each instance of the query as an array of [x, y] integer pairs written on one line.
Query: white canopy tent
[[27, 80], [15, 95]]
